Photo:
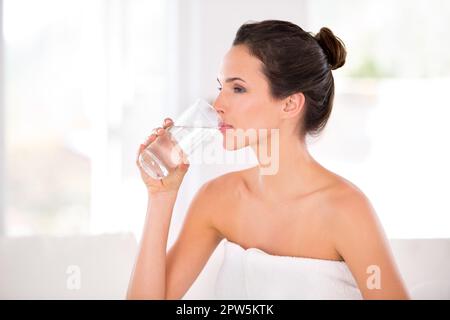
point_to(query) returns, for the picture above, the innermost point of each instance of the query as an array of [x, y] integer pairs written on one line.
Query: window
[[83, 82], [388, 128]]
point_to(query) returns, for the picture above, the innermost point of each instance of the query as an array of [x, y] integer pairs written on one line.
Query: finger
[[150, 139], [181, 169], [168, 120], [167, 123], [160, 131], [157, 131]]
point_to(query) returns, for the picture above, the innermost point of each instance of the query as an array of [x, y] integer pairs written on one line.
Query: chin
[[231, 144]]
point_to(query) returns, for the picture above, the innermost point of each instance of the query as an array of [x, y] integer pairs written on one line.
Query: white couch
[[75, 267], [99, 267]]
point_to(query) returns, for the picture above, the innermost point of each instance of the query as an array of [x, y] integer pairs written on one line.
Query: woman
[[275, 76]]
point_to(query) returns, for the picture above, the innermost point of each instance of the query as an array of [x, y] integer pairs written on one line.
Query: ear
[[292, 105]]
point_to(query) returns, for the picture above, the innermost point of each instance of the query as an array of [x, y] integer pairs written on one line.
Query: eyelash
[[242, 90]]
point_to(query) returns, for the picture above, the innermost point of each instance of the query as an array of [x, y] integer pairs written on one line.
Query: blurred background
[[83, 82]]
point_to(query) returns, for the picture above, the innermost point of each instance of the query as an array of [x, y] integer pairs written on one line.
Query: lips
[[224, 125]]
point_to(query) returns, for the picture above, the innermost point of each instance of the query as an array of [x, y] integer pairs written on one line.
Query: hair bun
[[333, 46]]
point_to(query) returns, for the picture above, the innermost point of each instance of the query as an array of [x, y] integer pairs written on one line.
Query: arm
[[148, 280], [362, 243], [158, 275], [196, 242]]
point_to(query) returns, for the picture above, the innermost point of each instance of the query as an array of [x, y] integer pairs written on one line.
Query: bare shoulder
[[353, 218], [221, 194], [360, 240], [213, 195], [346, 207], [350, 203], [225, 187]]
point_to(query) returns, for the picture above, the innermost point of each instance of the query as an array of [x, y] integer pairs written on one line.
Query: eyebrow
[[231, 79]]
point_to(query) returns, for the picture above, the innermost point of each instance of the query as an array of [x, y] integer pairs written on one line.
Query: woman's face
[[244, 101]]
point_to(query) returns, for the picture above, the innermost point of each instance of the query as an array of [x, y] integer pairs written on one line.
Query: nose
[[218, 105]]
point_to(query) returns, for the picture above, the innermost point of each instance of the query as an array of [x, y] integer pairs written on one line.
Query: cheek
[[254, 117], [252, 111], [258, 116]]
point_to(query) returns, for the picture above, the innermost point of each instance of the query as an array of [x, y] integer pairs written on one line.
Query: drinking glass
[[196, 127]]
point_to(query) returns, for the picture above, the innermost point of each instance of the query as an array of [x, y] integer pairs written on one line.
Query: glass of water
[[196, 127]]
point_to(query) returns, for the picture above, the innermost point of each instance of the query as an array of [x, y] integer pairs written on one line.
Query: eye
[[219, 88], [239, 90]]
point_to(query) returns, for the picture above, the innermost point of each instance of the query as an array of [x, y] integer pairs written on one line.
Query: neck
[[296, 172]]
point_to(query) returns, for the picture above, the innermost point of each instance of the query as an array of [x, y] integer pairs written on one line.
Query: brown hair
[[296, 61]]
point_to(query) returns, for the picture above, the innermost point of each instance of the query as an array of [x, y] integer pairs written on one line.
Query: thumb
[[182, 169]]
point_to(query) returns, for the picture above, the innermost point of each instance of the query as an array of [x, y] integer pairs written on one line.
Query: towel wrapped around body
[[254, 274]]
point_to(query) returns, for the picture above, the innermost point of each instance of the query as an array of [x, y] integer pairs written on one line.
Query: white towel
[[254, 274]]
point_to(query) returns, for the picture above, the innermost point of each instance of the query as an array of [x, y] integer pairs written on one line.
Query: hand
[[172, 182]]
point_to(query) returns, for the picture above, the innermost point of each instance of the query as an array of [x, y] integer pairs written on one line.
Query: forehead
[[238, 62]]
